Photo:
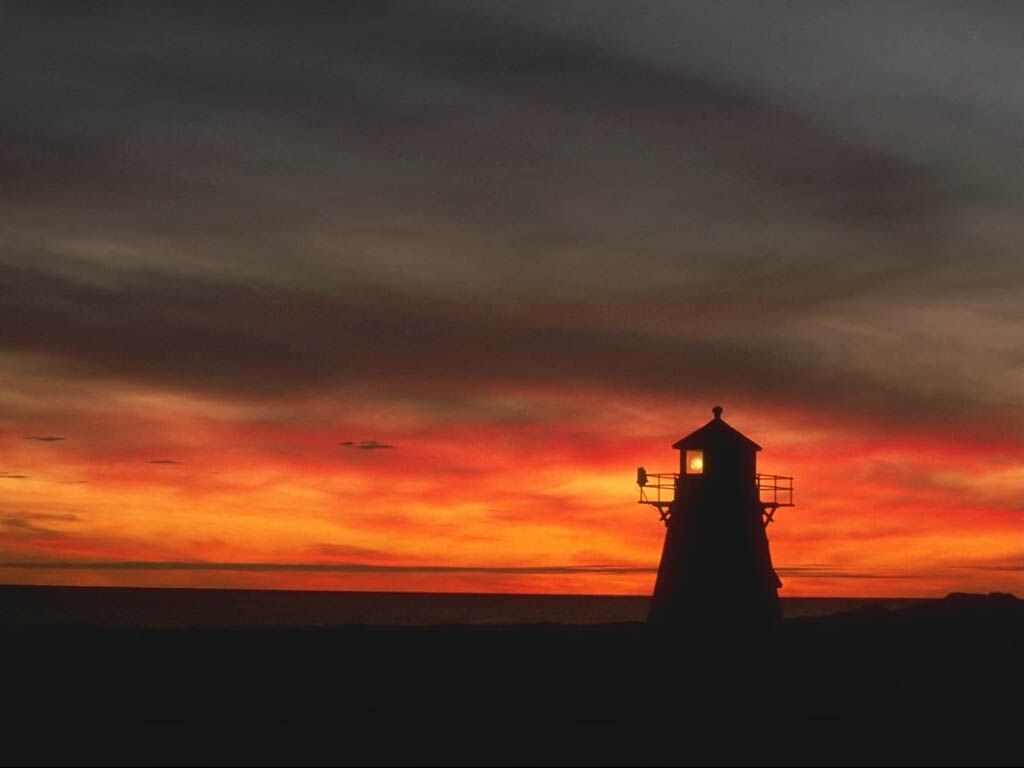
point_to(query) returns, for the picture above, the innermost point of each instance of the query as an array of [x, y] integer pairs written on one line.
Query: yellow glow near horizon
[[276, 502]]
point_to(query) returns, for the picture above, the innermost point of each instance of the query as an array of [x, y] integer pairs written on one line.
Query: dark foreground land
[[936, 683]]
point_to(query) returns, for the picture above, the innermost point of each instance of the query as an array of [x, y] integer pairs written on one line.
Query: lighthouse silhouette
[[716, 566]]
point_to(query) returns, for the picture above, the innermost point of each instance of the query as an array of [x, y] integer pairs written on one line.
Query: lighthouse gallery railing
[[659, 491]]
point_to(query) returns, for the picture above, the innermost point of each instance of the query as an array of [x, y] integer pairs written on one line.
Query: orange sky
[[273, 500]]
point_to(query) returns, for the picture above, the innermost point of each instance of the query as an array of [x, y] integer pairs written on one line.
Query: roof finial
[[717, 410]]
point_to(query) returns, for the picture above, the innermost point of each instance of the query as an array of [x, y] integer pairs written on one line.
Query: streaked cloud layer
[[530, 246]]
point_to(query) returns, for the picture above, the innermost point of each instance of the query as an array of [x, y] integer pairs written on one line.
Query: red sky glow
[[370, 297]]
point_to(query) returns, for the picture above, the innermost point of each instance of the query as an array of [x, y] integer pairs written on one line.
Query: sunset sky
[[397, 296]]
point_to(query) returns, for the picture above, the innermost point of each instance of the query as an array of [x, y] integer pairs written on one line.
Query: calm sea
[[108, 606]]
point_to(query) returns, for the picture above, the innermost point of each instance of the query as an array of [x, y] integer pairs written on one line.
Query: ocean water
[[144, 607]]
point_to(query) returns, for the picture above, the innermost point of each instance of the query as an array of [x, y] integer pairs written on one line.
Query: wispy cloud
[[607, 569], [348, 552], [45, 438], [327, 567], [1007, 567], [164, 461], [830, 572], [57, 517], [35, 524], [365, 445]]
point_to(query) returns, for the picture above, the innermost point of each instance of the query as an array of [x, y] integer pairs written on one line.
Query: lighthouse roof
[[715, 431]]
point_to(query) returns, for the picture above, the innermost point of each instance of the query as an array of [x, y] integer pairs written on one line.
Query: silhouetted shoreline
[[933, 682], [187, 607]]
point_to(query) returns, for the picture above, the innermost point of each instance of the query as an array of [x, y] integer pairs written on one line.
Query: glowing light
[[694, 462]]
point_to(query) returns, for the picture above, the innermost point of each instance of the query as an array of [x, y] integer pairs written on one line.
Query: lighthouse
[[716, 566]]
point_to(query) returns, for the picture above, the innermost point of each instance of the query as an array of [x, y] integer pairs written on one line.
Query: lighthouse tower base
[[716, 572]]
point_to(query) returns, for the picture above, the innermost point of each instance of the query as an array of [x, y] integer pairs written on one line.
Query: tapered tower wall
[[716, 563]]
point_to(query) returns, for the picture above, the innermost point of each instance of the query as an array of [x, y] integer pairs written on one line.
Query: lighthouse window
[[694, 462]]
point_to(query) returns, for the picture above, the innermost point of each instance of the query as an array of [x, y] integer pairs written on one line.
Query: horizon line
[[819, 571]]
